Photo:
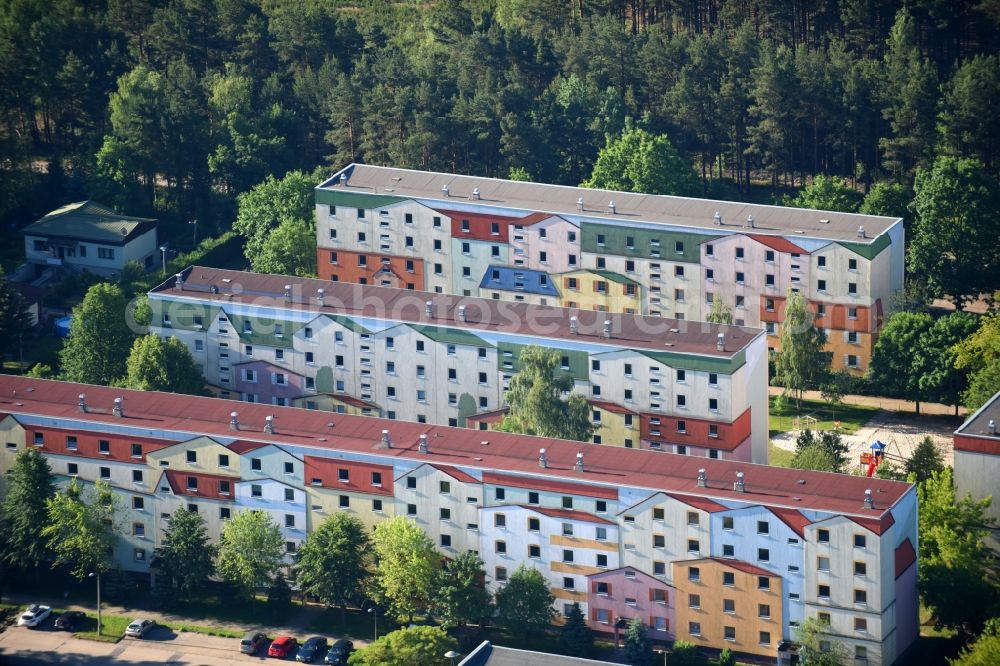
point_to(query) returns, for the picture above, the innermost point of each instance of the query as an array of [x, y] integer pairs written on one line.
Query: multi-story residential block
[[679, 386], [718, 552], [615, 251], [977, 460]]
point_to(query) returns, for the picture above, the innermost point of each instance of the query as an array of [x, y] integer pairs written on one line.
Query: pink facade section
[[627, 593], [550, 236], [907, 609], [267, 381]]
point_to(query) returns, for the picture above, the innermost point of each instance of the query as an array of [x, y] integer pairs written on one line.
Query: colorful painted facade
[[386, 352], [717, 552], [660, 256]]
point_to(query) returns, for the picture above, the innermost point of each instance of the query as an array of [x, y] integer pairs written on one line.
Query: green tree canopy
[[267, 205], [575, 637], [830, 442], [332, 562], [15, 320], [893, 368], [721, 312], [412, 646], [953, 249], [638, 647], [802, 363], [157, 364], [638, 161], [251, 551], [887, 199], [186, 557], [290, 249], [536, 403], [99, 337], [82, 529], [818, 645], [28, 487], [979, 356], [814, 457], [827, 193], [925, 461], [939, 378], [408, 567], [524, 603], [985, 651], [462, 596], [969, 121]]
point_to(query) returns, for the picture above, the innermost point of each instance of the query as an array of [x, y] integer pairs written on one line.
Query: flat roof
[[978, 423], [629, 206], [607, 468], [658, 334]]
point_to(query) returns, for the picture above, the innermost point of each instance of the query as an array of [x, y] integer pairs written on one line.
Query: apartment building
[[718, 552], [612, 251], [977, 459], [679, 386]]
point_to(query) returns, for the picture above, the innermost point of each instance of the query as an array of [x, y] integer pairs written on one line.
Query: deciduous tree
[[829, 442], [638, 647], [407, 567], [332, 562], [186, 557], [925, 461], [893, 370], [888, 200], [412, 646], [818, 645], [801, 363], [638, 161], [721, 312], [979, 355], [250, 552], [827, 193], [99, 337], [290, 249], [29, 487], [155, 364], [261, 210], [82, 529], [462, 596], [524, 603], [985, 651]]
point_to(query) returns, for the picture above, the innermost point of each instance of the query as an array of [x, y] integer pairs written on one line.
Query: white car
[[34, 615], [138, 628]]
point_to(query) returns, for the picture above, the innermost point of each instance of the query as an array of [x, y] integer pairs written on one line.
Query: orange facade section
[[385, 270], [696, 432], [835, 316], [102, 446]]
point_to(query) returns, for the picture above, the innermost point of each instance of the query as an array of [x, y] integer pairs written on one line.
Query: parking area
[[22, 646]]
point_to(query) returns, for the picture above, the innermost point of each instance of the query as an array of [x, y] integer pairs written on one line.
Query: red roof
[[567, 514], [494, 416], [607, 467], [612, 407], [905, 556], [696, 502], [745, 567], [793, 518], [359, 475], [242, 446], [209, 486], [351, 400], [876, 525], [456, 473], [534, 218], [778, 243], [534, 483]]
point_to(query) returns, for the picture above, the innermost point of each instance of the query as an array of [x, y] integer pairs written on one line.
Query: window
[[729, 606], [224, 487], [137, 476], [728, 550], [860, 569], [411, 482], [860, 597], [444, 487], [821, 285], [763, 554], [224, 513], [501, 547], [823, 591], [764, 610], [192, 457], [534, 525], [823, 535], [659, 541], [289, 495], [444, 514], [679, 247], [289, 520], [72, 469], [852, 287], [567, 555], [860, 624], [728, 578], [103, 445], [223, 458], [763, 583], [376, 505], [255, 464], [859, 540], [823, 563], [602, 561], [693, 518], [500, 573], [694, 574], [289, 468], [345, 501], [411, 510], [729, 633], [534, 551], [256, 490], [105, 253], [694, 628], [567, 529], [727, 522]]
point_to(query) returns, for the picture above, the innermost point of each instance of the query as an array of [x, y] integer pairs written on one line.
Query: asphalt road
[[20, 646]]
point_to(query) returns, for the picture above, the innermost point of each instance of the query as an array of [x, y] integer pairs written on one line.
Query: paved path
[[889, 404]]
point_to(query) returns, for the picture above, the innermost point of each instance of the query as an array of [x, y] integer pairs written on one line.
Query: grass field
[[215, 607], [357, 624], [850, 417], [112, 628], [779, 457]]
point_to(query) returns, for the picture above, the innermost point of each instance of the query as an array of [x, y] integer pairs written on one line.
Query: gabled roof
[[456, 473], [703, 503], [778, 243], [515, 278], [89, 220], [905, 556], [568, 487], [208, 484], [612, 407], [568, 514], [795, 520], [739, 565]]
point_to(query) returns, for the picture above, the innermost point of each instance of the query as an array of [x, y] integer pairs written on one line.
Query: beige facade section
[[209, 457], [12, 438], [660, 530], [444, 507]]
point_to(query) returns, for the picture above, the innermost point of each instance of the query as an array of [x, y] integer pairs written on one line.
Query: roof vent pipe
[[720, 342], [718, 218], [444, 190], [543, 460], [475, 193], [269, 424], [702, 479], [320, 293], [607, 328], [461, 313], [83, 403], [740, 486], [573, 328], [386, 441], [429, 308], [179, 281], [611, 205], [993, 427], [422, 444], [578, 465], [288, 292], [861, 232], [343, 179], [869, 502], [579, 203], [749, 221], [234, 421], [118, 410]]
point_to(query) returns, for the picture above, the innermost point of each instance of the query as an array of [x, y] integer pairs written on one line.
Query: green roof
[[611, 275], [92, 221], [726, 366], [347, 323], [355, 199], [450, 336], [868, 250]]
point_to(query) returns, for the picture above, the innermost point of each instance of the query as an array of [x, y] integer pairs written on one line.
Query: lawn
[[849, 417], [357, 624], [779, 457], [112, 627], [215, 607], [934, 646]]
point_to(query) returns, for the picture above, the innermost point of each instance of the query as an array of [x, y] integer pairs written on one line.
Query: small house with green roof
[[90, 236]]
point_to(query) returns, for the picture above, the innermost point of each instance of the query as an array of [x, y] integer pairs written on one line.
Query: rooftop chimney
[[475, 193], [288, 292], [320, 293], [343, 179], [422, 444], [749, 221], [718, 218], [611, 205], [720, 342], [234, 421], [444, 190], [607, 328], [386, 441], [993, 427], [740, 486], [578, 465], [579, 203], [429, 308], [861, 232], [543, 460], [573, 325], [83, 403], [269, 424], [179, 281], [869, 502], [461, 313], [118, 410], [702, 480]]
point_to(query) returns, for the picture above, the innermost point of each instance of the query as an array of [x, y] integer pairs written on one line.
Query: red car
[[282, 646]]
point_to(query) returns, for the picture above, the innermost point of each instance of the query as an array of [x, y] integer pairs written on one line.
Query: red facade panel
[[696, 431], [91, 445], [346, 266], [359, 478], [977, 444], [480, 226]]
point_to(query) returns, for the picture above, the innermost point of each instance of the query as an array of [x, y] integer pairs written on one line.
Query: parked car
[[311, 649], [339, 652], [253, 641], [282, 647], [34, 615], [139, 628], [70, 620]]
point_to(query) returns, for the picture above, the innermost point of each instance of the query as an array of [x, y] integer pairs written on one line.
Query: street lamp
[[92, 574], [194, 232], [451, 654], [664, 653], [374, 611], [163, 256]]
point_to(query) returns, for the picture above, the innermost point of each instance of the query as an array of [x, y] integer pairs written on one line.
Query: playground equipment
[[878, 455]]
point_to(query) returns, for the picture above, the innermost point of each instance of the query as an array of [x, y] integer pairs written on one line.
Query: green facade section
[[452, 336], [869, 250], [642, 243], [349, 324], [613, 277], [355, 199], [182, 315], [724, 366], [264, 331], [578, 362]]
